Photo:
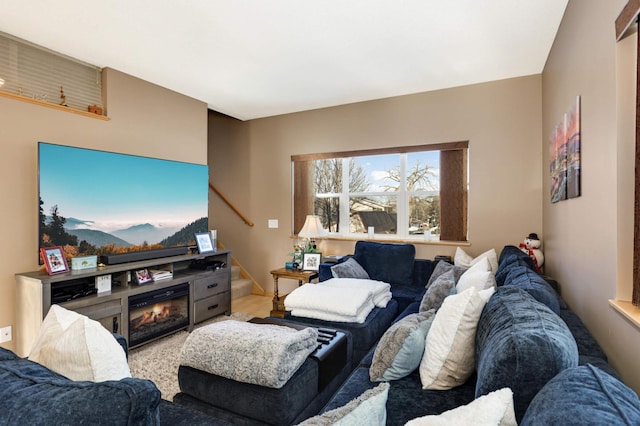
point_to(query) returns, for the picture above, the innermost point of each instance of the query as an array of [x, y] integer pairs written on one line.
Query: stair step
[[241, 287], [235, 272]]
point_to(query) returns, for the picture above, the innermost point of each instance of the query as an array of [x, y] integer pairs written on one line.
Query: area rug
[[158, 361]]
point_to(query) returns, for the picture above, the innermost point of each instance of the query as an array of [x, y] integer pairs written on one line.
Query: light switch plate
[[273, 223]]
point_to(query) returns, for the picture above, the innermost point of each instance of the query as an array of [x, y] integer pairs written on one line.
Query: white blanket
[[381, 290], [330, 303]]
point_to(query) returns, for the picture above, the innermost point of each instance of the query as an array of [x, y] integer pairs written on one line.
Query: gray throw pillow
[[349, 269], [441, 268], [401, 348], [438, 291]]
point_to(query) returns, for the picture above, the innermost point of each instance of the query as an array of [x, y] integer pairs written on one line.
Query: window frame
[[303, 194]]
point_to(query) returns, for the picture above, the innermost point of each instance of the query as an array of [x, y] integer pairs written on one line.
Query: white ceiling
[[252, 58]]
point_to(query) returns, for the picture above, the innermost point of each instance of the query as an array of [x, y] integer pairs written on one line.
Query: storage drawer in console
[[210, 307], [211, 284]]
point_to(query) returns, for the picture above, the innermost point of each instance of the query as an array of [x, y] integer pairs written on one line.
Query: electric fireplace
[[158, 313]]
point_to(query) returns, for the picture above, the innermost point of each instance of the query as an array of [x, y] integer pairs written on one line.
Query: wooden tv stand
[[209, 293]]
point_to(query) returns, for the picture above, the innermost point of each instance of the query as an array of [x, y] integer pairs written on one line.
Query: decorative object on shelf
[[103, 283], [204, 242], [142, 276], [531, 246], [84, 262], [95, 109], [311, 230], [63, 102], [311, 261], [54, 260]]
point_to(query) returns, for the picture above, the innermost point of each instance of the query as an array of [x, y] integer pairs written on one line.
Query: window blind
[[35, 72]]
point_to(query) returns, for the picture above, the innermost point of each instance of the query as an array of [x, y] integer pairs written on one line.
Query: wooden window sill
[[54, 106], [627, 310], [397, 240]]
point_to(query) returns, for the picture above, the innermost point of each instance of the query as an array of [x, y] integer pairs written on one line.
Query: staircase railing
[[228, 203]]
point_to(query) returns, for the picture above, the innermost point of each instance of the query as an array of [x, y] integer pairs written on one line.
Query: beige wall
[[250, 162], [145, 120], [587, 240]]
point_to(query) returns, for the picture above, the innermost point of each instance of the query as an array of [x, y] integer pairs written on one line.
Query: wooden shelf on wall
[[51, 105]]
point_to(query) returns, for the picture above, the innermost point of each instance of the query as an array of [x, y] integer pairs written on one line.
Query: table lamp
[[312, 229]]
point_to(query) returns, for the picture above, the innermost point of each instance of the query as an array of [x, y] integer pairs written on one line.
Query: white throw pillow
[[79, 348], [492, 409], [464, 260], [448, 358], [479, 276]]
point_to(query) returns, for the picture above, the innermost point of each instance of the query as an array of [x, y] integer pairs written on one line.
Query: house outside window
[[417, 192]]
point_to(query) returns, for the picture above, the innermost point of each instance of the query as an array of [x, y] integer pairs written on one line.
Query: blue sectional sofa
[[528, 340]]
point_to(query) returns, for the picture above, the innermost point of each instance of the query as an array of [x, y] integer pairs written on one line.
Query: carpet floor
[[158, 361]]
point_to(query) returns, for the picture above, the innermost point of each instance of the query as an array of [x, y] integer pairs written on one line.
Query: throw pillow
[[494, 409], [79, 348], [367, 409], [583, 395], [438, 291], [400, 349], [462, 259], [442, 267], [479, 276], [448, 359], [349, 269]]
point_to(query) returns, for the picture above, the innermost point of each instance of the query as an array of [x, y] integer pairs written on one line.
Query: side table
[[293, 274]]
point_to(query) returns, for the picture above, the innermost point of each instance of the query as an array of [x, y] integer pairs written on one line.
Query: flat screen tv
[[101, 203]]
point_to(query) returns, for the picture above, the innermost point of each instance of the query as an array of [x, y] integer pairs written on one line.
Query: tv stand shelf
[[209, 293]]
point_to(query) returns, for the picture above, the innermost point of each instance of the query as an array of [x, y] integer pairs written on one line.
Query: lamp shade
[[312, 227]]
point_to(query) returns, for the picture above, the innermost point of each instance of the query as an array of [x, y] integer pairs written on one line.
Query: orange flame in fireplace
[[158, 312]]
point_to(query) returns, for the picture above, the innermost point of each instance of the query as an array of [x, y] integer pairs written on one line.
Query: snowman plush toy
[[531, 246]]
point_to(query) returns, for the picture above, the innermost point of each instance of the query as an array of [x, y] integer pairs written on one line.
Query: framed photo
[[204, 242], [311, 261], [142, 276], [54, 260]]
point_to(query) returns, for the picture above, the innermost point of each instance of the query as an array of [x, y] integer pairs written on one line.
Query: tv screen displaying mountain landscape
[[96, 202]]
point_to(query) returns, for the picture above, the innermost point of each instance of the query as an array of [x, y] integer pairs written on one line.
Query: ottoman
[[302, 396]]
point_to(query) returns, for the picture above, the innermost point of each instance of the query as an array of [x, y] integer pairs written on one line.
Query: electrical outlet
[[273, 223], [5, 334]]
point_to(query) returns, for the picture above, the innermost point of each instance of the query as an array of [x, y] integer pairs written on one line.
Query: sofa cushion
[[493, 409], [442, 287], [400, 348], [520, 344], [448, 359], [584, 395], [505, 267], [367, 409], [78, 347], [511, 250], [529, 281], [391, 263], [33, 394], [349, 269]]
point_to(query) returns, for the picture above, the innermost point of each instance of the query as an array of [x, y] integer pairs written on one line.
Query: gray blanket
[[261, 354]]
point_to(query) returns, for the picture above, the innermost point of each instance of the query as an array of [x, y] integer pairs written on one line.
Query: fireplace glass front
[[157, 313]]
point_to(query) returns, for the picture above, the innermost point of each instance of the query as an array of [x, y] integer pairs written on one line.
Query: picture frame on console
[[142, 276], [311, 261], [204, 242], [54, 260]]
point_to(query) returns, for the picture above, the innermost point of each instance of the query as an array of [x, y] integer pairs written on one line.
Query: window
[[402, 193]]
